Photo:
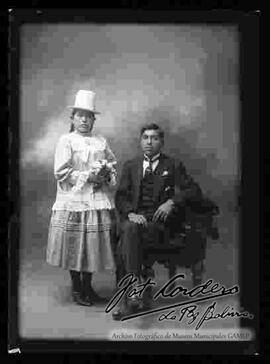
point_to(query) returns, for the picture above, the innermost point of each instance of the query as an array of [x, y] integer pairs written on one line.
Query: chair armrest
[[201, 223]]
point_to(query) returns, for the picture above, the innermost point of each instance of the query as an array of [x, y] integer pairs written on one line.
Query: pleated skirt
[[81, 240]]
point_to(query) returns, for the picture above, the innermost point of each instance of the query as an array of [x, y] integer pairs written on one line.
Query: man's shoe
[[125, 311], [119, 314], [129, 306], [133, 301]]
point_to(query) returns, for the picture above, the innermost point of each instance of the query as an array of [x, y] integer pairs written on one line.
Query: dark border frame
[[248, 24]]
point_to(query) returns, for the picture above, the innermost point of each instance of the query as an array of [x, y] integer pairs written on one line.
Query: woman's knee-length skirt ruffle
[[81, 240]]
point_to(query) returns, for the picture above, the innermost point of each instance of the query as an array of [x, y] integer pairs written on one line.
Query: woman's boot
[[87, 291], [76, 289]]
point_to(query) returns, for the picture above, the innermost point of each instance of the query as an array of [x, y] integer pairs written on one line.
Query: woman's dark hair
[[73, 111], [71, 129], [153, 126]]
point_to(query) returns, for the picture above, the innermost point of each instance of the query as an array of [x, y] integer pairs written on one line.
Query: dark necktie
[[149, 168]]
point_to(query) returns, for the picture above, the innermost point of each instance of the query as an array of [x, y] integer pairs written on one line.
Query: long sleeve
[[63, 168], [123, 197], [110, 157], [185, 187], [75, 156]]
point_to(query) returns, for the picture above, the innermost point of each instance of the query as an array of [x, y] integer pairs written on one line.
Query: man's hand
[[163, 211], [137, 219]]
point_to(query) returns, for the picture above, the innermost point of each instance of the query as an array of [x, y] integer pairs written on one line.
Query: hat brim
[[82, 108]]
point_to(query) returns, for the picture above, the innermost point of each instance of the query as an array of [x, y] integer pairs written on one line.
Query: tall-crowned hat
[[85, 100]]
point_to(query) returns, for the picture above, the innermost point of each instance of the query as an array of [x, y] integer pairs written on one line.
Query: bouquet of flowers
[[101, 168], [105, 170]]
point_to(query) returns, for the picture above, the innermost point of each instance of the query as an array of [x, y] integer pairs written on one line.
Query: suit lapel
[[160, 166], [137, 173], [157, 175]]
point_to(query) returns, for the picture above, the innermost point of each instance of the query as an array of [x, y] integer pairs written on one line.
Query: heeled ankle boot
[[77, 288], [75, 282], [87, 290]]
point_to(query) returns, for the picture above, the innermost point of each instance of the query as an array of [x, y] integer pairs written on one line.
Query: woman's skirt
[[82, 240]]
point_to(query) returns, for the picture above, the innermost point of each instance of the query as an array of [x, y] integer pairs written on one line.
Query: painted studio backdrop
[[184, 78]]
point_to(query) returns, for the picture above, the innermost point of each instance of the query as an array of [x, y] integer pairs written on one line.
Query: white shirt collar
[[154, 163], [154, 158]]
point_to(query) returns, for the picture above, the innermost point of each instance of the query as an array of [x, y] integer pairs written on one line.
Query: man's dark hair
[[153, 126]]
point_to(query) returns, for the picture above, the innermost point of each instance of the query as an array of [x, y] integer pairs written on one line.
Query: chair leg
[[172, 273], [119, 273], [197, 271]]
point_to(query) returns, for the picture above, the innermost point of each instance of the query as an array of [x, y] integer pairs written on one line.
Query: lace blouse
[[74, 156]]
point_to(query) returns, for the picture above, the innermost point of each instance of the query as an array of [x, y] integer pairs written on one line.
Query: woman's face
[[83, 121]]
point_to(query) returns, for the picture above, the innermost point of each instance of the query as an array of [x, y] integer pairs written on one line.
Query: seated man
[[153, 186]]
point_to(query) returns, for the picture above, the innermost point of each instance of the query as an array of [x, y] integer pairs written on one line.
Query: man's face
[[151, 142], [83, 121]]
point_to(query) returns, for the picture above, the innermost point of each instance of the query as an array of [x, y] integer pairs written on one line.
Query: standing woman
[[82, 221]]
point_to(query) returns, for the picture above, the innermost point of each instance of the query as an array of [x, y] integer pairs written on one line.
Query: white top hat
[[85, 100]]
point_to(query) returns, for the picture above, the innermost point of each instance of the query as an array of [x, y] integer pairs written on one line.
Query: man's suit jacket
[[171, 181]]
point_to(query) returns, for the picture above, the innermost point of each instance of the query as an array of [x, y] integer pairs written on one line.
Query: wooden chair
[[188, 248]]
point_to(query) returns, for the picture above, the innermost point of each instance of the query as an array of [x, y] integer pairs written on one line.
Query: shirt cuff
[[73, 177]]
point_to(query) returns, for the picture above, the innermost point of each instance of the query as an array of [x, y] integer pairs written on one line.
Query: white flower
[[100, 167], [165, 173], [104, 165]]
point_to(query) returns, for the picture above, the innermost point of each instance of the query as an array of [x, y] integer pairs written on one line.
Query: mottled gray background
[[185, 78]]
